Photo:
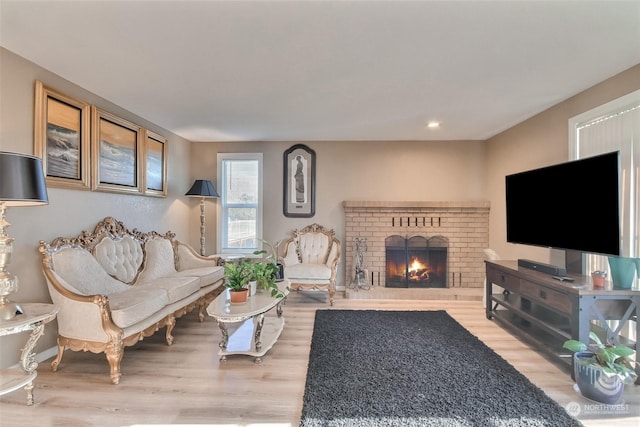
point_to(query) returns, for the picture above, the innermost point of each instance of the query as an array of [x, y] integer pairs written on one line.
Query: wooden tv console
[[547, 312]]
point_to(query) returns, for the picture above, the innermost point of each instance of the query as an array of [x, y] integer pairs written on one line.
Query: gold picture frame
[[117, 148], [61, 138], [155, 164]]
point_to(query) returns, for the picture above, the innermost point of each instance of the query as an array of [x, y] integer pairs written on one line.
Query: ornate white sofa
[[115, 286], [311, 259]]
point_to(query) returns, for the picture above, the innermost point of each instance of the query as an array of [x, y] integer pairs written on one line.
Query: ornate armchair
[[311, 259]]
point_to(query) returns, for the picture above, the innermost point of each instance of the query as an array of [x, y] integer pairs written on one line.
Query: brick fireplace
[[463, 226]]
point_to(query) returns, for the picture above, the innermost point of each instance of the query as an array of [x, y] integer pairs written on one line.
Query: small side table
[[33, 319]]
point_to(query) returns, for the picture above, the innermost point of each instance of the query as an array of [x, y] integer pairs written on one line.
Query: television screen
[[572, 205]]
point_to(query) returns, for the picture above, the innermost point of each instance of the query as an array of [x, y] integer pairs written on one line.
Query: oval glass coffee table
[[245, 329]]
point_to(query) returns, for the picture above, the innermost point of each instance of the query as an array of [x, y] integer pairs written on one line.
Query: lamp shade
[[22, 180], [202, 188]]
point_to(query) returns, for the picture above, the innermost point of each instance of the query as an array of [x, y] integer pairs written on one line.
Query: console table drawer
[[547, 296], [503, 280]]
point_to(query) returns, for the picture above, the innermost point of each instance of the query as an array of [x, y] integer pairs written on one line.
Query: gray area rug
[[414, 368]]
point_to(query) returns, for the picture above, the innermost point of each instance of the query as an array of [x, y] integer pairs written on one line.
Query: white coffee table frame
[[245, 329]]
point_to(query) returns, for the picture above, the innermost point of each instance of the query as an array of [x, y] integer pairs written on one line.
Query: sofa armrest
[[187, 258], [82, 317]]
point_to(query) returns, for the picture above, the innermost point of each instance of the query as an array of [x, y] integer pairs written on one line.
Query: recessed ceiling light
[[433, 125]]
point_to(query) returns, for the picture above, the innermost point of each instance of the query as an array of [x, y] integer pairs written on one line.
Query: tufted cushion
[[313, 248], [121, 258], [160, 261], [135, 304], [307, 271], [82, 271]]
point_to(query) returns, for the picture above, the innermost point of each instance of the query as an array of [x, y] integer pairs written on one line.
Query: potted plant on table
[[268, 270], [264, 275], [600, 370], [237, 276]]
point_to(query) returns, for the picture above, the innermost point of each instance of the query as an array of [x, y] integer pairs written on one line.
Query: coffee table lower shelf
[[245, 338], [13, 379]]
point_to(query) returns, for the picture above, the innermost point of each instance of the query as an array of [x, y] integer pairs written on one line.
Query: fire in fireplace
[[416, 262]]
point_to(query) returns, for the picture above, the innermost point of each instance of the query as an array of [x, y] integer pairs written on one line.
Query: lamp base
[[9, 310]]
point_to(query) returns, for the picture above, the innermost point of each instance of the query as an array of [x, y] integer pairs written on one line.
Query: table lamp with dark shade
[[22, 183], [204, 189]]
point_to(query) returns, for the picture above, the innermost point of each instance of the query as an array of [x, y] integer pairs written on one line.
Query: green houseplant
[[264, 274], [600, 370], [265, 271], [237, 276]]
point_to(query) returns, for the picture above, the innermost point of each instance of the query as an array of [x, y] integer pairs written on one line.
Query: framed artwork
[[116, 148], [155, 164], [61, 138], [299, 182]]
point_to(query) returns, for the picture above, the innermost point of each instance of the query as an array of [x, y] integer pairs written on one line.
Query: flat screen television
[[572, 205]]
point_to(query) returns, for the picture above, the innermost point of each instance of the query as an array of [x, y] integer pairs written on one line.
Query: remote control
[[563, 278]]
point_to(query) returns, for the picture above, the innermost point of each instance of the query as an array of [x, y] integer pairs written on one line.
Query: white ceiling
[[328, 70]]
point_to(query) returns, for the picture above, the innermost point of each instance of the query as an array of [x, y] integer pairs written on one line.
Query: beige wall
[[540, 141], [355, 170], [71, 211]]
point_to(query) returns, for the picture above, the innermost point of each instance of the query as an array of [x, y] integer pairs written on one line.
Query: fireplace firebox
[[416, 262]]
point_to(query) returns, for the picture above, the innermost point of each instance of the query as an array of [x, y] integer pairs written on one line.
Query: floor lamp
[[21, 184], [204, 189]]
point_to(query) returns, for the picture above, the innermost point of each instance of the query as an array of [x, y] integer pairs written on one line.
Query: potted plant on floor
[[237, 276], [600, 370]]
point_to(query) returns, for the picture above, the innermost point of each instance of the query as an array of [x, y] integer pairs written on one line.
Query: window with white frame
[[240, 215], [614, 126]]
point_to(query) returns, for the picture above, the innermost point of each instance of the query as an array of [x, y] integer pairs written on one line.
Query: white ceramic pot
[[253, 286]]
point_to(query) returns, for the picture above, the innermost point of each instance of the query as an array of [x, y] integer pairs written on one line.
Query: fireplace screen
[[416, 262]]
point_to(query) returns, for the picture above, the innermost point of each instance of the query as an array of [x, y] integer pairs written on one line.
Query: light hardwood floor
[[185, 384]]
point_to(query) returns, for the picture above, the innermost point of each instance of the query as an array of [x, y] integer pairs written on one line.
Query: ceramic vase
[[593, 383], [623, 272], [253, 286]]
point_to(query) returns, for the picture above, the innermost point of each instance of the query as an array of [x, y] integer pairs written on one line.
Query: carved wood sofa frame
[[117, 340]]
